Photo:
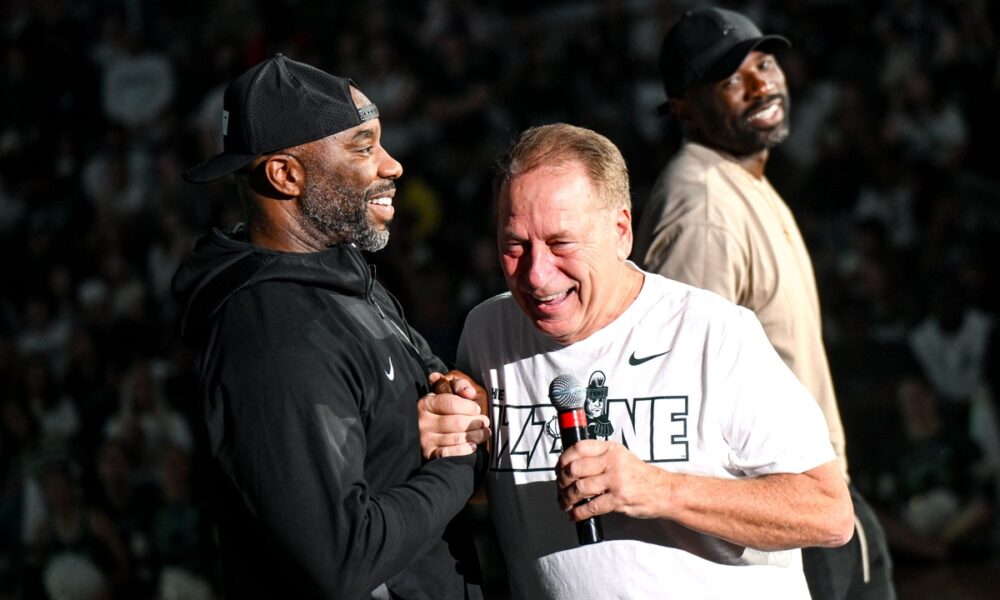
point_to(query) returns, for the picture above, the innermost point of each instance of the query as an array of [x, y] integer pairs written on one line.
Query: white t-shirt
[[688, 382], [712, 224]]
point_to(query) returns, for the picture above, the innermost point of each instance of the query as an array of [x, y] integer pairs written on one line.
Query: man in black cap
[[714, 221], [310, 375]]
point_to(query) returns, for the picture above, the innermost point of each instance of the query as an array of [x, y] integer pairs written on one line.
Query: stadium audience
[[888, 169]]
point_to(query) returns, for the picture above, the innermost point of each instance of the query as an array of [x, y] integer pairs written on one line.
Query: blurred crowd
[[105, 102]]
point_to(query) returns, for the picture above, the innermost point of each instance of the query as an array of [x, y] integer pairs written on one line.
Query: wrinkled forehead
[[564, 173]]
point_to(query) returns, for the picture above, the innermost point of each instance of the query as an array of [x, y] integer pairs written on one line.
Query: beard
[[749, 139], [737, 135], [766, 139], [340, 213]]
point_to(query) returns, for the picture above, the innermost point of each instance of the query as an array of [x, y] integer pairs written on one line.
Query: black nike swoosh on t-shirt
[[632, 360]]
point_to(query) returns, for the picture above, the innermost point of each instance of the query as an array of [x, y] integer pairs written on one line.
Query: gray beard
[[755, 141], [340, 216]]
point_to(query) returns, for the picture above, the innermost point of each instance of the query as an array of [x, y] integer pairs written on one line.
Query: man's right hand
[[450, 419]]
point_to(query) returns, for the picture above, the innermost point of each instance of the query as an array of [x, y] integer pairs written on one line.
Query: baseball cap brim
[[218, 166]]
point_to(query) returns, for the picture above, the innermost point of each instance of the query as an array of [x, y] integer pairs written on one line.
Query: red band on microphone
[[572, 419]]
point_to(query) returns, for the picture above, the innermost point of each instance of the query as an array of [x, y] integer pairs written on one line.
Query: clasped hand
[[451, 418]]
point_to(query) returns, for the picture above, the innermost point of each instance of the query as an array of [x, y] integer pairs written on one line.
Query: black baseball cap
[[277, 104], [708, 44]]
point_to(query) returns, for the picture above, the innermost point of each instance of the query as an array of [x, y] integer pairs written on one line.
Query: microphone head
[[567, 393]]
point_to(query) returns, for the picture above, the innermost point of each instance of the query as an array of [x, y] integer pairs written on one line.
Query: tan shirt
[[712, 224]]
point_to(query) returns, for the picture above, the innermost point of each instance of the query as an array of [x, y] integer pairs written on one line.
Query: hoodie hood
[[223, 263]]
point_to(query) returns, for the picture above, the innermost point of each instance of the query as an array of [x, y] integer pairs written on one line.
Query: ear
[[285, 174], [623, 230], [682, 109]]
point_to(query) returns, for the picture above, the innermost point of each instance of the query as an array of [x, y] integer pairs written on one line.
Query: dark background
[[889, 170]]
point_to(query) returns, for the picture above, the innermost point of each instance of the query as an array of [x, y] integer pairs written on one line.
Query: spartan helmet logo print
[[596, 407]]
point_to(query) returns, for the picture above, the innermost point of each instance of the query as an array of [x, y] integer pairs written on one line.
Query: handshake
[[452, 418]]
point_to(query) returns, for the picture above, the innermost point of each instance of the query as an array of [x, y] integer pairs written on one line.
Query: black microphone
[[567, 394]]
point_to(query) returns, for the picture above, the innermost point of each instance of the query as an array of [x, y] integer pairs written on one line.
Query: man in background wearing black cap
[[310, 375], [714, 221]]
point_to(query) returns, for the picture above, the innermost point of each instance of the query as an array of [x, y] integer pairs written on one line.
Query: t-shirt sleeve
[[772, 423], [701, 255], [691, 241]]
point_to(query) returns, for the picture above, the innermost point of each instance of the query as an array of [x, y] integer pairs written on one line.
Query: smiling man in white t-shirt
[[711, 464]]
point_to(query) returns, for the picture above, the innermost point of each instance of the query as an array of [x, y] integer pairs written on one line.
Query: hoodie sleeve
[[294, 450]]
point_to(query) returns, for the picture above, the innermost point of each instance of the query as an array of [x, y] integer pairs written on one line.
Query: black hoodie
[[310, 378]]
